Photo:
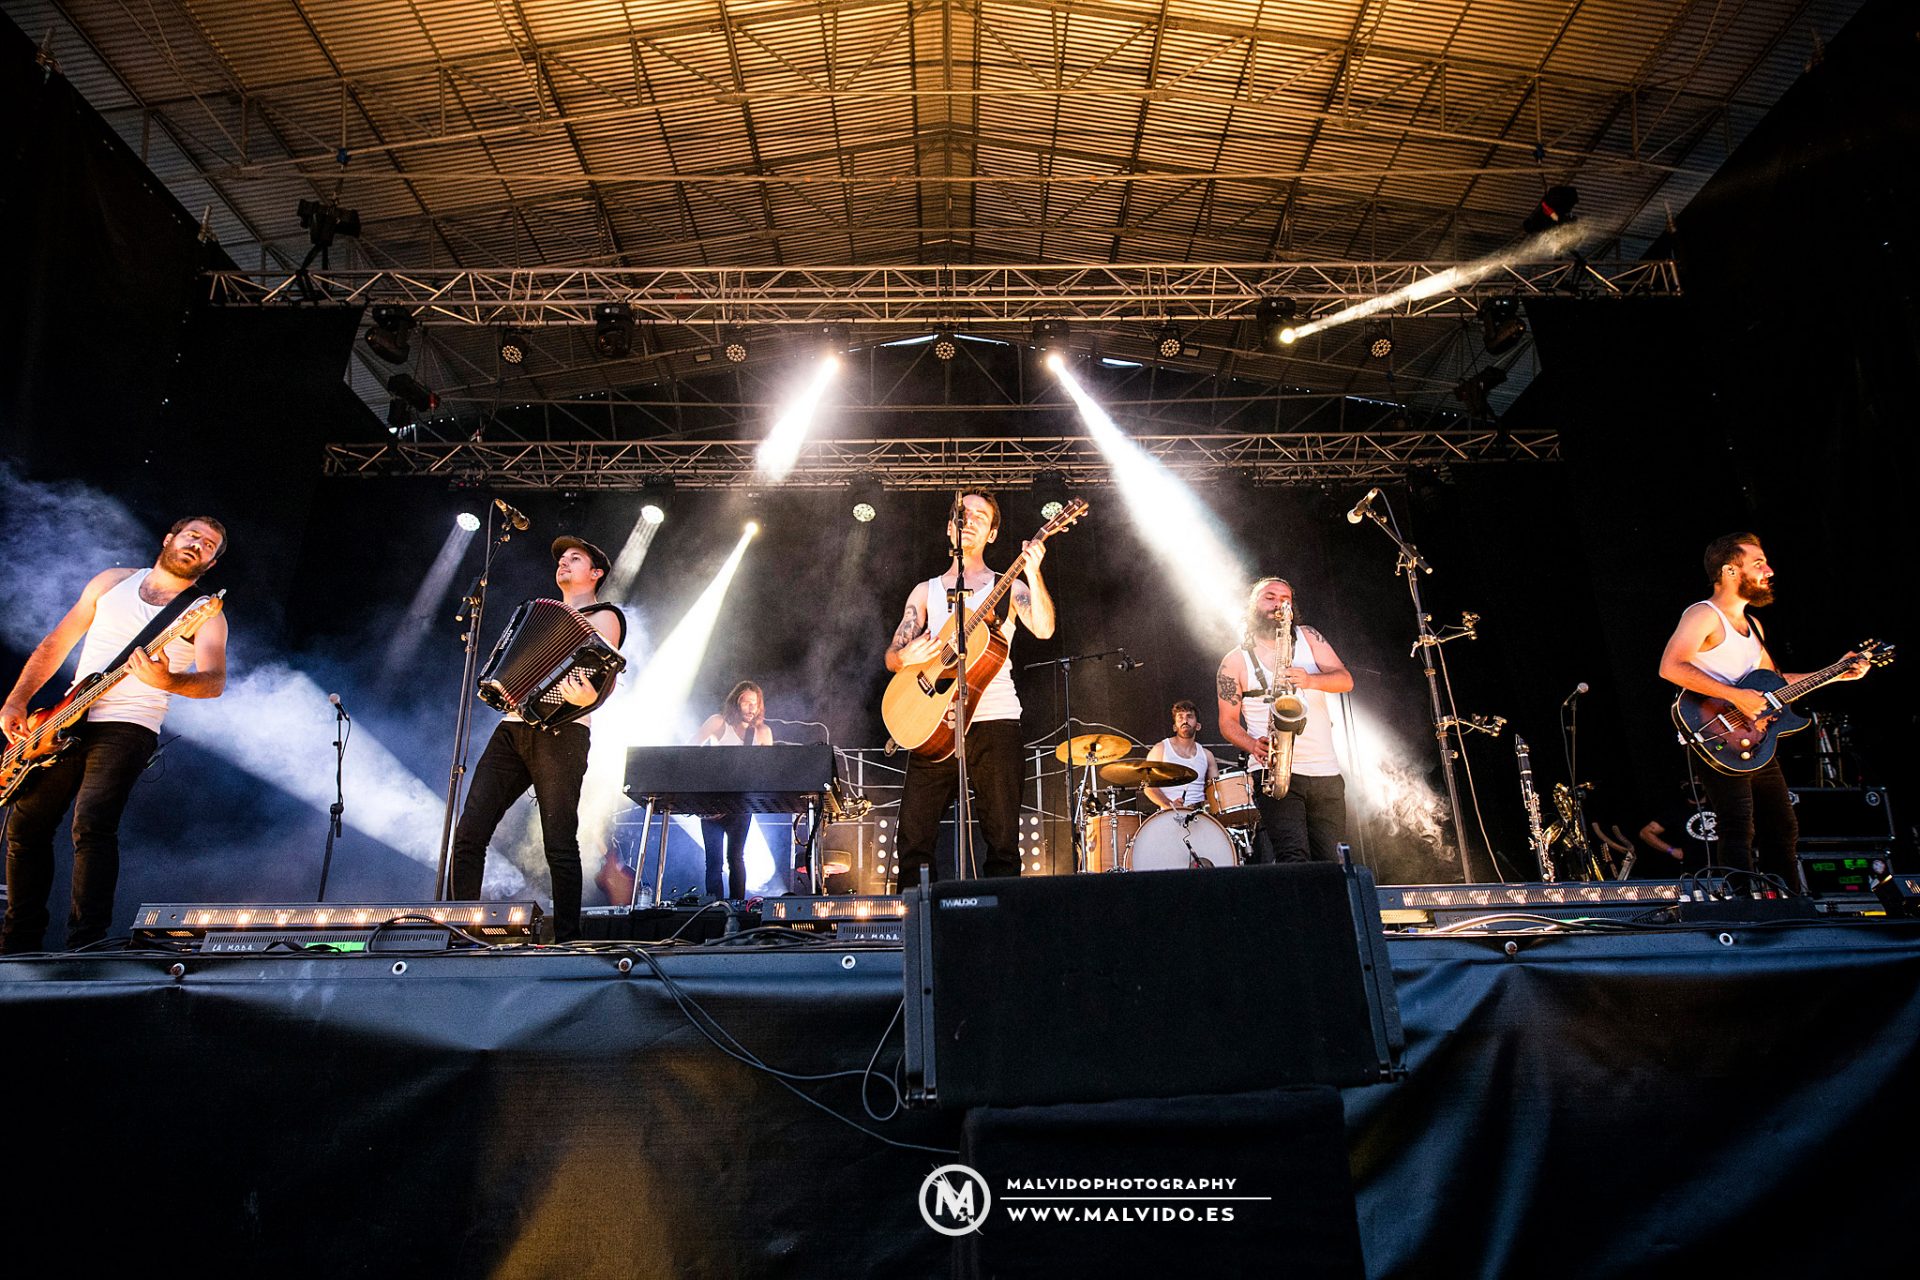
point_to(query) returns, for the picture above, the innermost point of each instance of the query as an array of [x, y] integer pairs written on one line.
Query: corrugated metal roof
[[764, 132]]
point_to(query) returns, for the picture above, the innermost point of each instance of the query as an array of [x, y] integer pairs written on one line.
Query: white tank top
[[998, 701], [119, 616], [1313, 755], [729, 737], [1195, 792], [1735, 655]]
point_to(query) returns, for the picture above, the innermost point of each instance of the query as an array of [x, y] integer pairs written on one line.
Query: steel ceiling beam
[[918, 295]]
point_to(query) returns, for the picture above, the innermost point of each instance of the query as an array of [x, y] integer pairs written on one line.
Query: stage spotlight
[[1473, 391], [408, 388], [865, 494], [781, 449], [734, 347], [323, 220], [1273, 319], [1500, 324], [468, 521], [652, 514], [612, 330], [399, 417], [1170, 343], [1050, 487], [513, 347], [944, 347], [391, 334], [1380, 340], [1050, 337], [751, 528], [1554, 208], [833, 339]]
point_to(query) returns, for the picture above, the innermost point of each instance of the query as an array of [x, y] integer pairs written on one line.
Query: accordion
[[545, 642]]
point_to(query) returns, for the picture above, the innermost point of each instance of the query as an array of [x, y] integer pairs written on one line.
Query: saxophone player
[[1303, 816]]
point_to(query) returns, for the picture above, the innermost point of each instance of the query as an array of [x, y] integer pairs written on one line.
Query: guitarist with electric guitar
[[148, 636], [926, 656], [1734, 706]]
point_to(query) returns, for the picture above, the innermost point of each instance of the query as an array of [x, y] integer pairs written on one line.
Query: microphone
[[513, 515], [1577, 691], [339, 706], [1361, 507], [1128, 662]]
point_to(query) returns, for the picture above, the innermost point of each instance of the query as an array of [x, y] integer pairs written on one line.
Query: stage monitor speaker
[[1899, 894], [1148, 984], [1842, 815]]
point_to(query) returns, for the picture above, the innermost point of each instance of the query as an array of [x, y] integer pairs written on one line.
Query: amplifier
[[1843, 815], [1844, 873]]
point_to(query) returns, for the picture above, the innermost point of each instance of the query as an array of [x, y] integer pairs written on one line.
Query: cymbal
[[1146, 773], [1092, 748]]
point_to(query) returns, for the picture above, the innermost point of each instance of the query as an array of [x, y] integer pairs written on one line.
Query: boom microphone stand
[[1412, 564], [1076, 820], [957, 598], [342, 728], [472, 607]]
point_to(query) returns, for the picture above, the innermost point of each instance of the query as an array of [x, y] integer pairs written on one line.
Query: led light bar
[[188, 920]]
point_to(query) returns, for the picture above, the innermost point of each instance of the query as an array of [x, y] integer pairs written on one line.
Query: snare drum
[[1109, 835], [1171, 839], [1230, 797]]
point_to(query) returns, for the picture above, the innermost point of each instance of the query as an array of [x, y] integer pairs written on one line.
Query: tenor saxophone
[[1288, 718]]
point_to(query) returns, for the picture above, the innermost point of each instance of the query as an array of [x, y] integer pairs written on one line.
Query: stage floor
[[1626, 1101]]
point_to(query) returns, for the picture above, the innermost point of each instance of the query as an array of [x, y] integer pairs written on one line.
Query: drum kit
[[1125, 839]]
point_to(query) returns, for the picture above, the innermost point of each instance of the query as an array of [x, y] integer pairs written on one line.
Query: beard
[[181, 565], [1186, 732], [1758, 594]]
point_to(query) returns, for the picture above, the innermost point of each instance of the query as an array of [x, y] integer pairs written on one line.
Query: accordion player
[[544, 643]]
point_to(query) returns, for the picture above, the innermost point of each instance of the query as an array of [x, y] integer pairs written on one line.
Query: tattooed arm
[[1227, 687], [912, 644]]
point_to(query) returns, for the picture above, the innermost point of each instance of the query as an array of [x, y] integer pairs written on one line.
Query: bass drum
[[1176, 840]]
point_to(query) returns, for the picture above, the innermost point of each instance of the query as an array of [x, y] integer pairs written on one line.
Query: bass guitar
[[918, 706], [1732, 743], [48, 730]]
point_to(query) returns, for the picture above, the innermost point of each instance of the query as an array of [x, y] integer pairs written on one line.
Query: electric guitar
[[918, 706], [1734, 744], [47, 735]]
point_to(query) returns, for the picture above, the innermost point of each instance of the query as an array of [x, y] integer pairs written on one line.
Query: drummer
[[1184, 748]]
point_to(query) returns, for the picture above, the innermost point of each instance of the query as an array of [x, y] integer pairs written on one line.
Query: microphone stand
[[472, 608], [1412, 564], [957, 599], [1076, 819], [339, 805]]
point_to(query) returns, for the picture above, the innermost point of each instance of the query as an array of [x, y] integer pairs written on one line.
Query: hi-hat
[[1145, 773], [1092, 748]]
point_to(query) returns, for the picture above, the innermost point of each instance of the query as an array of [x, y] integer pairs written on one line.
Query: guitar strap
[[160, 622]]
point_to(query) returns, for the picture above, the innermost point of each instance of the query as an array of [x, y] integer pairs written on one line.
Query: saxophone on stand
[[1536, 836], [1288, 716]]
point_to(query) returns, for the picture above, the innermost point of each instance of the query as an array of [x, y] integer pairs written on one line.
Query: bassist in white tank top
[[117, 738]]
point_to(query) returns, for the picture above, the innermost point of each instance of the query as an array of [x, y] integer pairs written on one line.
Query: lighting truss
[[931, 462], [931, 296]]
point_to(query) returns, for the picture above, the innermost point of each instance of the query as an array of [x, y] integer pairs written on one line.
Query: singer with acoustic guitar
[[1716, 656], [89, 750], [993, 724]]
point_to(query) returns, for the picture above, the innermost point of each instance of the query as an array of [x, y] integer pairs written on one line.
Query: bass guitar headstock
[[1875, 652]]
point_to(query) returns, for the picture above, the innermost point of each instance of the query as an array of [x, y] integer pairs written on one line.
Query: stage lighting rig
[[1473, 391], [944, 347], [866, 495], [1555, 208], [832, 339], [391, 333], [1050, 487], [406, 387], [733, 345], [612, 330], [322, 220], [1380, 340], [513, 347], [1501, 327], [1171, 345], [1273, 318], [1050, 337]]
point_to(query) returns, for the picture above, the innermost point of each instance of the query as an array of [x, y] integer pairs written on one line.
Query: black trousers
[[995, 775], [1753, 814], [1309, 823], [726, 841], [95, 776], [554, 763]]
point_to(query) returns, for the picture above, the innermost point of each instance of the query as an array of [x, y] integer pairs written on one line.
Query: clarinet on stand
[[1536, 836]]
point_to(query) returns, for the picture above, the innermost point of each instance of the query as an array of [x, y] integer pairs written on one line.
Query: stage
[[1612, 1099]]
